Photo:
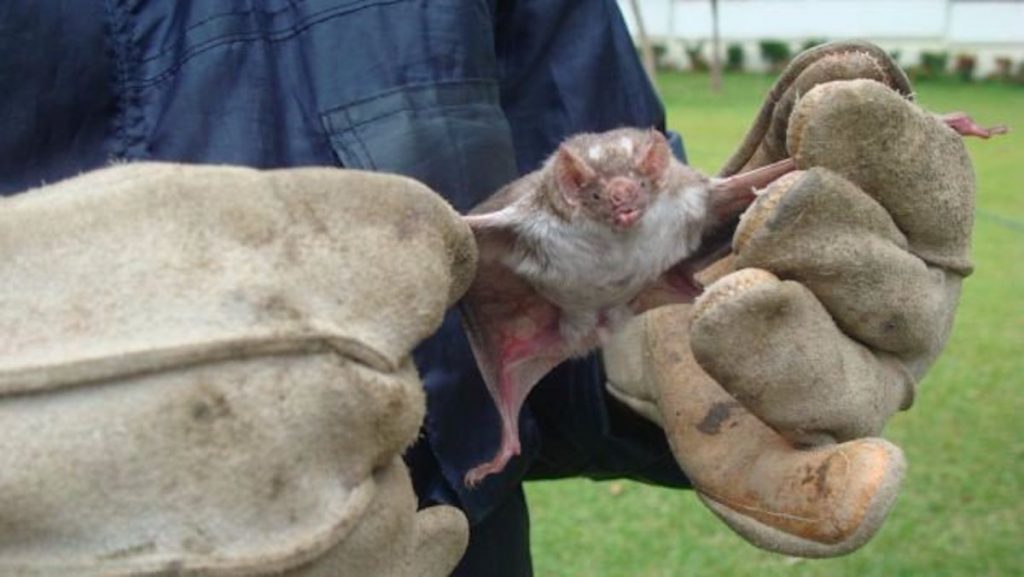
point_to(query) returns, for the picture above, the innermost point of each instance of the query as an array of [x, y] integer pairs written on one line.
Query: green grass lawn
[[961, 511]]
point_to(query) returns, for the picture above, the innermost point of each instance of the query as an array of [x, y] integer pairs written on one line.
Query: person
[[463, 96]]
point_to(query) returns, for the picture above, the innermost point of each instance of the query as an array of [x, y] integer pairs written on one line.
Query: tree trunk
[[645, 43], [716, 60]]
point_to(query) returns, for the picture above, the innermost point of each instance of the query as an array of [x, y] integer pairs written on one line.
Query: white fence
[[986, 29]]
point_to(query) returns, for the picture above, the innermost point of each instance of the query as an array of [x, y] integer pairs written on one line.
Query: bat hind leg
[[509, 402], [520, 365]]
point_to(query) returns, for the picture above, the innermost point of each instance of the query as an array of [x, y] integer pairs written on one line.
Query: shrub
[[698, 62], [896, 55], [659, 50], [933, 64], [812, 42], [964, 66], [1004, 69], [734, 57], [776, 53]]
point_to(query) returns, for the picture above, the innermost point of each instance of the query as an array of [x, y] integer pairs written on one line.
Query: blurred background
[[971, 38], [961, 511]]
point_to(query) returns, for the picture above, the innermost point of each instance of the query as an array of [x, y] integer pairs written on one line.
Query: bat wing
[[669, 289], [513, 331], [685, 281]]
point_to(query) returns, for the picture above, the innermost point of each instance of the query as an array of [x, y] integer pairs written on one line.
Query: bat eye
[[595, 195]]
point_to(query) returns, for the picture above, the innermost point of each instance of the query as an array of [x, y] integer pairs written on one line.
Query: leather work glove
[[206, 371], [839, 294]]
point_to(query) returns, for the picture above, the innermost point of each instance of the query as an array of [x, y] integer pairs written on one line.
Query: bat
[[608, 227], [611, 225]]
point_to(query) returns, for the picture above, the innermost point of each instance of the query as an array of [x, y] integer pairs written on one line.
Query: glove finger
[[915, 166], [766, 140], [775, 348], [820, 230], [363, 261]]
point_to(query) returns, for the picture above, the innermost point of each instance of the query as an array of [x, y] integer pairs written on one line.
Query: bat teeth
[[730, 287]]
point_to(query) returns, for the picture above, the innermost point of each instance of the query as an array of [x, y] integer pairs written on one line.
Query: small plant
[[734, 58], [660, 50], [896, 55], [933, 64], [776, 53], [964, 66], [698, 63], [1004, 69]]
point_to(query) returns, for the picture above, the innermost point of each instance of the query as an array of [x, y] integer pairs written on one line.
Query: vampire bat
[[610, 225], [570, 252]]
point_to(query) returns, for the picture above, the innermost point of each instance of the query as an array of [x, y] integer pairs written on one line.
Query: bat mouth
[[626, 218]]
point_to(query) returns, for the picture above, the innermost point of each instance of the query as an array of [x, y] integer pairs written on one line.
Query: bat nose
[[622, 191]]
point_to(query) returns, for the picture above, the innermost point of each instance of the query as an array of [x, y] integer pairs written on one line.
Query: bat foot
[[478, 473], [496, 465], [965, 126]]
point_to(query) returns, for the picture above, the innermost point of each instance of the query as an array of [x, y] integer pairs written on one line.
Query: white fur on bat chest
[[583, 265]]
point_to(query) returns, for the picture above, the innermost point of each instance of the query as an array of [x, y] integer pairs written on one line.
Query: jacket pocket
[[452, 136]]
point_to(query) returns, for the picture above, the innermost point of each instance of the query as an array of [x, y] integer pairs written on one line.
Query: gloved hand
[[207, 370], [838, 296]]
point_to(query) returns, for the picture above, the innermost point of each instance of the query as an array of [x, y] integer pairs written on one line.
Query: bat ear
[[572, 173], [654, 155]]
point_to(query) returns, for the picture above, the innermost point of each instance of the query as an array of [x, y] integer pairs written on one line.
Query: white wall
[[986, 29], [987, 22]]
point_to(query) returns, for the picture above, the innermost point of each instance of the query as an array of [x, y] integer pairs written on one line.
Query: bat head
[[612, 177]]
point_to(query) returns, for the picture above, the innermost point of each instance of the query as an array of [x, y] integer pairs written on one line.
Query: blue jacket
[[463, 95]]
